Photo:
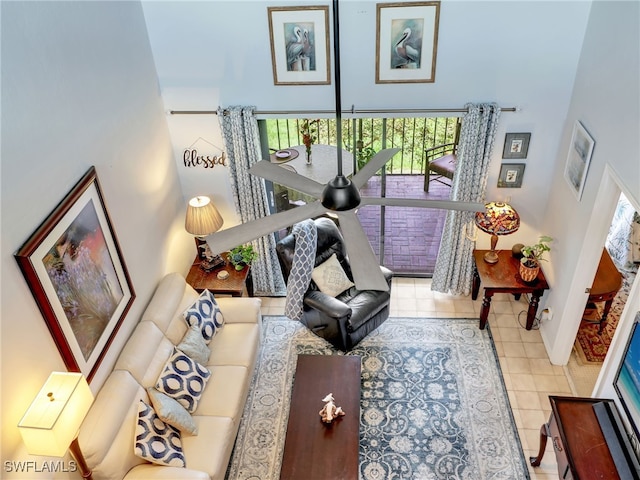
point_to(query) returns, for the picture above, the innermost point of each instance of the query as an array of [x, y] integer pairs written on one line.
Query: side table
[[504, 277], [233, 285]]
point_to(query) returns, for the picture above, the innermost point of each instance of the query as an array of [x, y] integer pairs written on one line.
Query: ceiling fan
[[340, 197]]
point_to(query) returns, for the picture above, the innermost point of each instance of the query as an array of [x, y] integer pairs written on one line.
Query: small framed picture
[[578, 159], [300, 45], [511, 175], [516, 145]]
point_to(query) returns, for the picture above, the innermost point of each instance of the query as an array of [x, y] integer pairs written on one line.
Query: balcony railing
[[366, 136]]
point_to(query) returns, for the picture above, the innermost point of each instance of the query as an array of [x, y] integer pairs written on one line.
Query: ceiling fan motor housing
[[340, 194]]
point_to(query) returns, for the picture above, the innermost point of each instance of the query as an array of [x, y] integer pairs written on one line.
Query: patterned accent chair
[[349, 317]]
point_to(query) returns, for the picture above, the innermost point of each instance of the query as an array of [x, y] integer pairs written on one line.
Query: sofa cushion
[[194, 346], [206, 314], [211, 450], [156, 441], [236, 344], [330, 277], [145, 354], [171, 412], [183, 379], [225, 393], [108, 429]]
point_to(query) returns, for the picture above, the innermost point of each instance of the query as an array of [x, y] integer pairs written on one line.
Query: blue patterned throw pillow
[[183, 379], [206, 314], [156, 441]]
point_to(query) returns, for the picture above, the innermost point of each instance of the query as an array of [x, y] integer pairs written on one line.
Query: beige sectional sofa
[[107, 434]]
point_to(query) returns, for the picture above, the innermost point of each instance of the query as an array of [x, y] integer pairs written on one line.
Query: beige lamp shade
[[202, 217], [54, 417]]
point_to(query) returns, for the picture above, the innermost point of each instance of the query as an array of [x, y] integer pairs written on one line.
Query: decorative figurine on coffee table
[[330, 412]]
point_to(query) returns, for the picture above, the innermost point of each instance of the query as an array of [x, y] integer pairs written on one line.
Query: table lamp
[[203, 219], [51, 423], [498, 218]]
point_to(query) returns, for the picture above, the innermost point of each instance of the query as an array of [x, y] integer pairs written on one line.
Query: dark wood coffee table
[[314, 450]]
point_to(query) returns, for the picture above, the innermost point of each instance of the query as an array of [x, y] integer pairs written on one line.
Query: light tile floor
[[528, 375]]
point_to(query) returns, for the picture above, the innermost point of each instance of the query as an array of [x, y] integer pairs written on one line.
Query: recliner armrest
[[327, 305]]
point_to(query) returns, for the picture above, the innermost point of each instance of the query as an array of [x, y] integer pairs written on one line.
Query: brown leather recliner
[[346, 319]]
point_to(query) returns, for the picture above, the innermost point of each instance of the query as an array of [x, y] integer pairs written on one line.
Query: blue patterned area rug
[[433, 403]]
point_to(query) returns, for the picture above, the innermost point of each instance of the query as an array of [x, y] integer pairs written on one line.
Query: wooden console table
[[504, 277], [588, 440], [606, 284], [314, 450]]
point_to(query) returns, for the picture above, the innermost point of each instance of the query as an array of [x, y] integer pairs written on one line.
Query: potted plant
[[242, 255], [531, 258]]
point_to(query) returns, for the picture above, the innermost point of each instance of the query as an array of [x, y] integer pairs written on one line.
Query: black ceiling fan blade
[[364, 263], [283, 176], [232, 237], [424, 203], [376, 162]]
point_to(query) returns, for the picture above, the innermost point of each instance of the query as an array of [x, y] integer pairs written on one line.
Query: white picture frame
[[578, 159], [306, 28]]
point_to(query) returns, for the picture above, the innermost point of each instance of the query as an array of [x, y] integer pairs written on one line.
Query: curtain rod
[[351, 111]]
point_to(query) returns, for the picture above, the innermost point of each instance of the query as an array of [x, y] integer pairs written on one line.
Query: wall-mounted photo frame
[[516, 145], [578, 159], [407, 42], [511, 175], [75, 270], [300, 45]]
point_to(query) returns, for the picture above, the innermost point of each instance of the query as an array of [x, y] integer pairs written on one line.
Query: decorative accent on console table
[[75, 270], [330, 412]]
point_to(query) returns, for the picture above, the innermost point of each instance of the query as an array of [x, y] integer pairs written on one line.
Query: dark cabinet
[[588, 439]]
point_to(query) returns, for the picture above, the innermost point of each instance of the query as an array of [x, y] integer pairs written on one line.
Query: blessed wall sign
[[191, 157]]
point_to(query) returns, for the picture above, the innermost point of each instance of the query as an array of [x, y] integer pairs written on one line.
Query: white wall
[[606, 99], [524, 54], [79, 88]]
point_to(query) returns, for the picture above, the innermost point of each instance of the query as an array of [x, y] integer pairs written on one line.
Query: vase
[[529, 274], [308, 157]]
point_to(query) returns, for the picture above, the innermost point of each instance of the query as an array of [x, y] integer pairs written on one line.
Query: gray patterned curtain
[[454, 265], [242, 140]]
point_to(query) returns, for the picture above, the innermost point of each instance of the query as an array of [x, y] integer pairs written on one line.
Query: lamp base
[[76, 453], [212, 263], [491, 256]]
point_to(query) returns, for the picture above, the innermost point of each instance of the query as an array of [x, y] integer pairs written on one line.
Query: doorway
[[592, 343]]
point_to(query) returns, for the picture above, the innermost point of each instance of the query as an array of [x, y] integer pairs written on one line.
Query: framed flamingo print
[[300, 45], [75, 270], [407, 42]]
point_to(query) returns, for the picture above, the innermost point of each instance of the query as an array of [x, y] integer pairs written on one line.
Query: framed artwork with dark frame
[[578, 159], [407, 42], [511, 175], [516, 145], [300, 45], [75, 270]]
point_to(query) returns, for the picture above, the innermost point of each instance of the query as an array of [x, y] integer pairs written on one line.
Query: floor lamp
[[498, 218], [51, 423]]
